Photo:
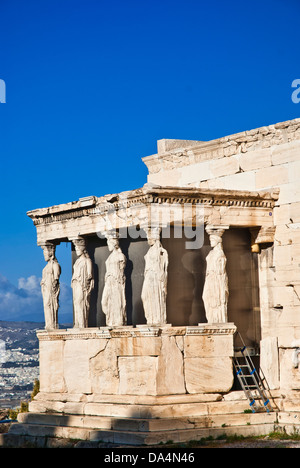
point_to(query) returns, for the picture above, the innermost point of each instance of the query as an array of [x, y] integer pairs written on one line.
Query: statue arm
[[56, 271], [90, 278]]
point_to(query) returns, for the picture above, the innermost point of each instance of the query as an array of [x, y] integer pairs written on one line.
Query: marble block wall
[[266, 158], [137, 361]]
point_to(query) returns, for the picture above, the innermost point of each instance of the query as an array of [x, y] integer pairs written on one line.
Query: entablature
[[154, 205]]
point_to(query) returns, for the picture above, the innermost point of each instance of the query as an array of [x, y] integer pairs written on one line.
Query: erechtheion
[[166, 279]]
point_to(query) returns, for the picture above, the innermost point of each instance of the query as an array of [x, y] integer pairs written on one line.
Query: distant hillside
[[21, 334]]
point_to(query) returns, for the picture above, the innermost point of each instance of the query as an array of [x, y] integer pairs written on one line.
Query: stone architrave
[[154, 291], [50, 286], [113, 299], [215, 291], [82, 284]]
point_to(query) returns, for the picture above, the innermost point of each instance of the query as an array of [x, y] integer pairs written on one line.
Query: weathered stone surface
[[138, 346], [135, 364], [170, 376], [289, 375], [208, 374], [51, 366], [224, 166], [76, 366], [138, 375], [286, 153], [104, 372], [270, 361], [208, 346], [255, 159], [271, 176]]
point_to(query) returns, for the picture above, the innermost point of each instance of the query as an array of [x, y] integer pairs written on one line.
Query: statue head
[[215, 240], [49, 251], [215, 235], [112, 243], [80, 246], [153, 235]]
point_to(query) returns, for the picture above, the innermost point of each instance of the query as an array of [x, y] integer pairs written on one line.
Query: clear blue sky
[[91, 85]]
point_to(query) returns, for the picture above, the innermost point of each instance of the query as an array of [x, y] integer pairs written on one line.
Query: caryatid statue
[[215, 291], [50, 286], [82, 284], [154, 291], [113, 299]]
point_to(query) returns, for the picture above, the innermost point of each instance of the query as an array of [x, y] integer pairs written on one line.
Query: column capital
[[78, 240], [48, 243], [216, 229]]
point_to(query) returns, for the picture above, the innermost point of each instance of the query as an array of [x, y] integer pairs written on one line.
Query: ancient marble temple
[[165, 277]]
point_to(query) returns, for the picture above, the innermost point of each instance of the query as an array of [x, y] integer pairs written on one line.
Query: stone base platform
[[136, 386], [143, 421], [138, 360]]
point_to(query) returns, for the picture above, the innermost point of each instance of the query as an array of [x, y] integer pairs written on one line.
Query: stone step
[[177, 436], [55, 419], [33, 427], [145, 425], [136, 437], [23, 435], [289, 423], [290, 405], [38, 430], [292, 418], [137, 399], [170, 410]]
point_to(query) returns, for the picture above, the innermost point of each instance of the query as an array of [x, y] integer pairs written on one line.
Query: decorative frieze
[[158, 195], [212, 329], [204, 329]]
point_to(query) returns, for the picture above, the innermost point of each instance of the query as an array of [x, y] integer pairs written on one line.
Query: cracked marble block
[[137, 361]]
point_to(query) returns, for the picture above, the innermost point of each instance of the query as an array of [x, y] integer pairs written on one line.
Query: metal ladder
[[253, 382]]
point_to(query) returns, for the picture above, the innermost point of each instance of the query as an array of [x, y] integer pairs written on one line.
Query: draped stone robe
[[82, 285], [113, 299], [154, 291], [50, 292], [215, 291]]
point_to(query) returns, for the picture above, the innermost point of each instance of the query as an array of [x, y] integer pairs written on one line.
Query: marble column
[[113, 298], [50, 286], [154, 291], [215, 291], [82, 283]]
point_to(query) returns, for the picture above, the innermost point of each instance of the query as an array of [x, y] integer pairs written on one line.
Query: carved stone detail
[[113, 299], [82, 284], [215, 291], [154, 292], [50, 286]]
